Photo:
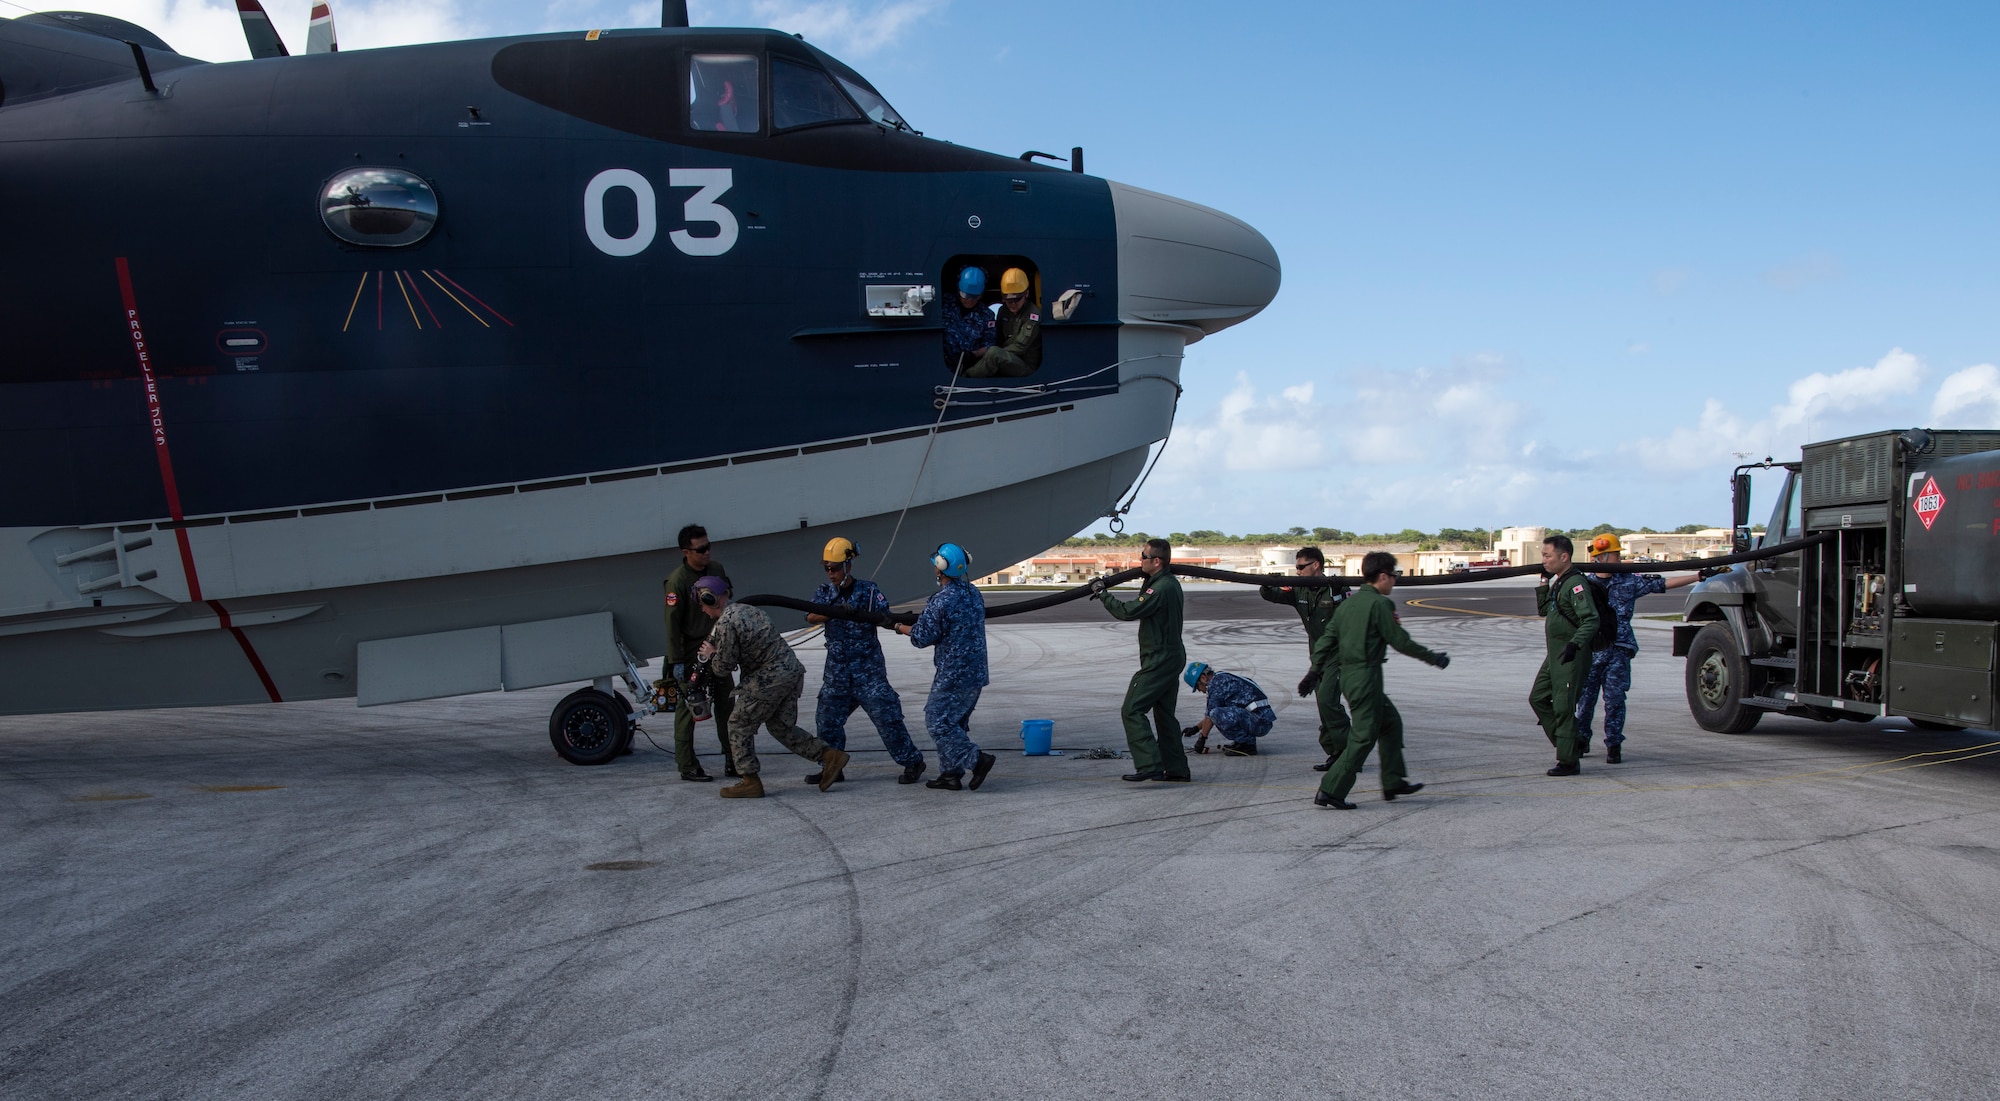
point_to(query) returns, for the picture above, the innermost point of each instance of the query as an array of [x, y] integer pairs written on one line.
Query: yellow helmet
[[1013, 281], [1606, 544], [838, 550]]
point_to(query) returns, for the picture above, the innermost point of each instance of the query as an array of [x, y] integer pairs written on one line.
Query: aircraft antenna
[[673, 13]]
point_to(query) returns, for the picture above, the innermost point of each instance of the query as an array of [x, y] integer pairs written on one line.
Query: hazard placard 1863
[[1930, 502]]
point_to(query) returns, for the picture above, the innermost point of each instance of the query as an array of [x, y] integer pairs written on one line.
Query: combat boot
[[830, 764], [912, 772], [1240, 749], [1570, 769], [1404, 788], [1612, 755], [813, 777], [749, 787]]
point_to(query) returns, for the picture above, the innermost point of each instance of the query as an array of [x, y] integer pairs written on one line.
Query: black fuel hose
[[1463, 577]]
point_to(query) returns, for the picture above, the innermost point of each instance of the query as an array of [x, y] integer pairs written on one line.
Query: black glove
[[1097, 587], [1710, 571], [1568, 655], [1441, 659], [1311, 682], [1190, 731], [1547, 576]]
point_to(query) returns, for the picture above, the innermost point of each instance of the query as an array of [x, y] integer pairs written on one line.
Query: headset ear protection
[[939, 561], [707, 597]]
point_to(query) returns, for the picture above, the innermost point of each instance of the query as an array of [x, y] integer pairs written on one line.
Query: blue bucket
[[1036, 737]]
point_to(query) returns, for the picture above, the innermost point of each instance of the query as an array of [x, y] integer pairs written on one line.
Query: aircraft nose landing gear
[[591, 726]]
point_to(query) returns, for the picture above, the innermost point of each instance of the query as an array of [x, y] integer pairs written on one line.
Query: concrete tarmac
[[423, 901]]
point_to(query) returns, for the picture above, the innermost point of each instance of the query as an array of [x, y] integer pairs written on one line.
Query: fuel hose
[[1462, 577]]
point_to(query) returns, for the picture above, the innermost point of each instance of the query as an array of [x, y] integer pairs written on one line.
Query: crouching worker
[[1365, 627], [954, 621], [768, 693], [1236, 707]]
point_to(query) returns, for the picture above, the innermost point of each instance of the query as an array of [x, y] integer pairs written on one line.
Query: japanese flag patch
[[1578, 589], [1149, 592], [1034, 317]]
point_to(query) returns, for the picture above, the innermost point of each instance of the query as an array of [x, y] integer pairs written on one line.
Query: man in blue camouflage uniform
[[968, 325], [1611, 670], [1236, 707], [855, 673], [954, 621]]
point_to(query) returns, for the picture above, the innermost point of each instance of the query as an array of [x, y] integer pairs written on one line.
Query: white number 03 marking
[[701, 208]]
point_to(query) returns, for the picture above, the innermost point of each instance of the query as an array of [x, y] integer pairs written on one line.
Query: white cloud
[[1447, 442], [212, 31], [1968, 399], [1817, 407], [847, 29], [1246, 433]]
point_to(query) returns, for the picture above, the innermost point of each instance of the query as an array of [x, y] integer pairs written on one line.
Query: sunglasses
[[703, 549], [835, 567], [1151, 558]]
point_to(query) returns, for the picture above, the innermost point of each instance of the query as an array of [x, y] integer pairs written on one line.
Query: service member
[[686, 629], [968, 326], [1156, 754], [1611, 670], [856, 675], [1569, 620], [1236, 707], [1315, 607], [954, 621], [743, 637], [1366, 627], [1017, 351]]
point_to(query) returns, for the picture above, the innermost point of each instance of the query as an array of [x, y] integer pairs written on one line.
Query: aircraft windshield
[[874, 106]]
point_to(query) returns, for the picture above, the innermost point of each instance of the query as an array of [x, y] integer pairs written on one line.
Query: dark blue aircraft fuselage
[[295, 369]]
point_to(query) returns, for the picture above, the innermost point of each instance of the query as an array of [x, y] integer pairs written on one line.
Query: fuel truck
[[1891, 608]]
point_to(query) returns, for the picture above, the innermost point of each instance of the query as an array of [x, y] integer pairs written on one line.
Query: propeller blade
[[258, 31], [319, 33]]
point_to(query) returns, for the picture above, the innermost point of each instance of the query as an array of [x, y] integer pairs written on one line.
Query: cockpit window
[[722, 93], [874, 106], [802, 95]]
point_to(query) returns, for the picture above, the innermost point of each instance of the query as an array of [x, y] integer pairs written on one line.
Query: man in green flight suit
[[1569, 621], [1017, 348], [1362, 631], [687, 628], [1315, 607], [1156, 755]]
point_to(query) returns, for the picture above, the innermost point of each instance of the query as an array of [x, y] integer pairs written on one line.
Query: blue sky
[[1544, 263]]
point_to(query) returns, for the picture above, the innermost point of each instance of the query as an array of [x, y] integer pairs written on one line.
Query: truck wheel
[[589, 727], [1717, 680]]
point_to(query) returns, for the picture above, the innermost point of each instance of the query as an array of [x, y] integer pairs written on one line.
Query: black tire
[[1930, 724], [1718, 678], [589, 727]]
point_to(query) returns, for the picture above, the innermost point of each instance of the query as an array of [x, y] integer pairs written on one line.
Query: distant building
[[1519, 546]]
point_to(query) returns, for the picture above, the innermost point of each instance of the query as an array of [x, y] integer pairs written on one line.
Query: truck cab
[[1886, 603]]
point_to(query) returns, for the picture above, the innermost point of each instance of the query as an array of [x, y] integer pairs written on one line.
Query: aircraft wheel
[[1717, 680], [590, 727]]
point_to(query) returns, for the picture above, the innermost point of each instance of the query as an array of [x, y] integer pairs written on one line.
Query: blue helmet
[[972, 281], [1193, 675], [951, 560]]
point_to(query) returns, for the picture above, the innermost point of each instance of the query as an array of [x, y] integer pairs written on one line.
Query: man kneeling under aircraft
[[768, 695], [1236, 706]]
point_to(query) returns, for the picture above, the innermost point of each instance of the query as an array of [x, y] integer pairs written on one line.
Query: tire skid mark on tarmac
[[843, 1018]]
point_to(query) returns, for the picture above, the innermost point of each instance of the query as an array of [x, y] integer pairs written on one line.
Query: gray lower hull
[[314, 656]]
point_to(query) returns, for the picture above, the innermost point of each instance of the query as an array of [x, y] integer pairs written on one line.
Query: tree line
[[1424, 540]]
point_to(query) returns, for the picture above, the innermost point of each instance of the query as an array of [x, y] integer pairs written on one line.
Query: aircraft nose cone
[[1186, 264]]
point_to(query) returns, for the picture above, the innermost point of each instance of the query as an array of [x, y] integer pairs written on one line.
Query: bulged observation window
[[379, 207]]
